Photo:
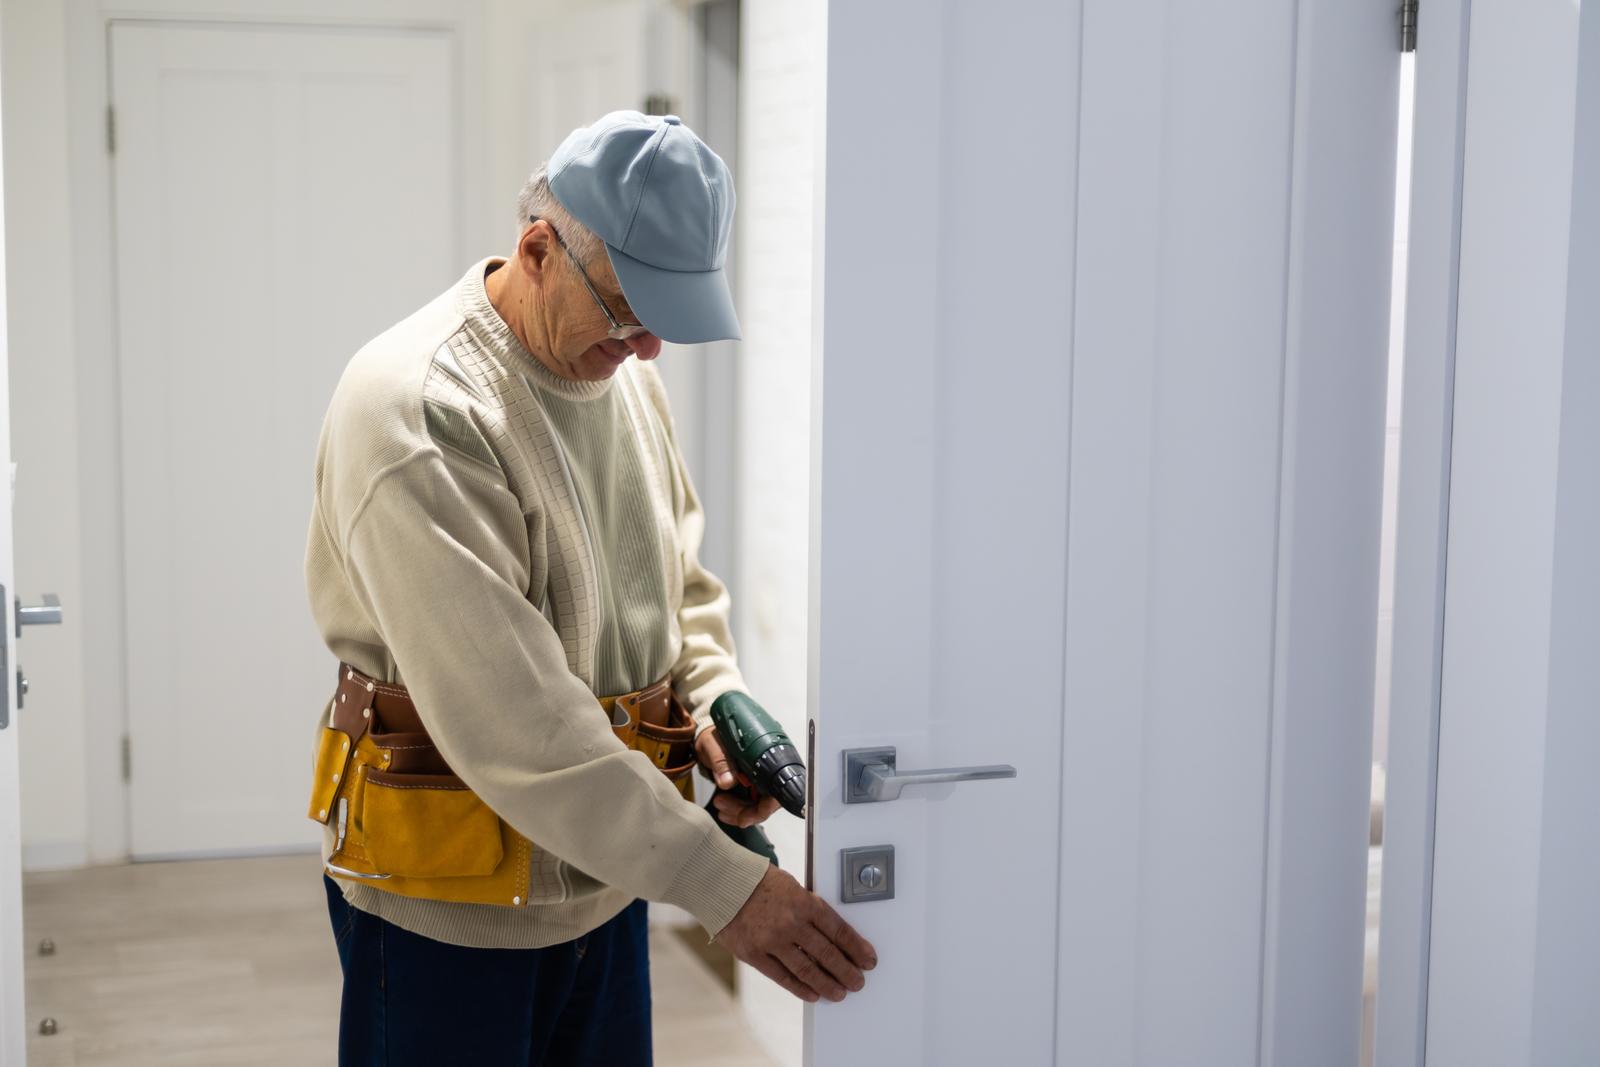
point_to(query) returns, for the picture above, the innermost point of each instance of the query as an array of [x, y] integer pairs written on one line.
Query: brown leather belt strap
[[352, 703], [396, 713]]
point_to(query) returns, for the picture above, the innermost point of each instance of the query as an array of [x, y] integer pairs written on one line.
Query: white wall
[[780, 57]]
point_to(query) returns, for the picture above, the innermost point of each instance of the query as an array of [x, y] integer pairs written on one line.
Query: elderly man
[[503, 557]]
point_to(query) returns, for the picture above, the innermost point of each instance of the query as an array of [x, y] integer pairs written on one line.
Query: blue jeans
[[410, 1000]]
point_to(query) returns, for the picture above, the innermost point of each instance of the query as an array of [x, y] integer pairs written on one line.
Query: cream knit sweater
[[507, 543]]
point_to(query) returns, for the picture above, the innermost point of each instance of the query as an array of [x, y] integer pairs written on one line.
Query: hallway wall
[[780, 54]]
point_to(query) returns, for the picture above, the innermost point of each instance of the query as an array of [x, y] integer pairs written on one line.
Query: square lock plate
[[866, 873]]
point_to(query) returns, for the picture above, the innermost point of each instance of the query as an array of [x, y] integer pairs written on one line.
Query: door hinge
[[1408, 25], [111, 130], [127, 758]]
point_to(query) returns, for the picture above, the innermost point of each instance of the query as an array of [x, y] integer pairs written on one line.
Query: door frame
[[91, 198], [1492, 864]]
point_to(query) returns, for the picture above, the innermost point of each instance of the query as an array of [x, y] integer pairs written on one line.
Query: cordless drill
[[764, 763]]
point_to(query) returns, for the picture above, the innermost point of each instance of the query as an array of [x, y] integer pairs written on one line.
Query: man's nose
[[645, 345]]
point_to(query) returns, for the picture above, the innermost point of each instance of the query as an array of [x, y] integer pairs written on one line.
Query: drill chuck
[[781, 773]]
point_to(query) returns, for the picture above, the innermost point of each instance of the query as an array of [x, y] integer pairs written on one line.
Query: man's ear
[[533, 250]]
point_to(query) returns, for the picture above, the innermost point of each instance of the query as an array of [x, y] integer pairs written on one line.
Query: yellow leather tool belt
[[405, 823]]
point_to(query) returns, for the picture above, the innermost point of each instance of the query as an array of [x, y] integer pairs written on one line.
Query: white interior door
[[282, 194], [1101, 418], [590, 61]]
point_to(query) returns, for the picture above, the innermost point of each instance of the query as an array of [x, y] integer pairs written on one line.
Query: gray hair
[[537, 199]]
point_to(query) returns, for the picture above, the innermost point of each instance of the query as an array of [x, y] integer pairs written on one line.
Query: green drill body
[[763, 760]]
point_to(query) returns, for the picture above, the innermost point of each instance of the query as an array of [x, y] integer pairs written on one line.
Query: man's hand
[[792, 936], [733, 810]]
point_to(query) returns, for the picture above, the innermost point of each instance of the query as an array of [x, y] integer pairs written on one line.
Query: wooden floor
[[229, 963]]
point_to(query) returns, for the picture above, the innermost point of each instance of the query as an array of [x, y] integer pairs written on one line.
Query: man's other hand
[[792, 936], [731, 809]]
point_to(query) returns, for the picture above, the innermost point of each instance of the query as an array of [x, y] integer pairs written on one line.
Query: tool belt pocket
[[329, 767], [670, 746], [428, 826]]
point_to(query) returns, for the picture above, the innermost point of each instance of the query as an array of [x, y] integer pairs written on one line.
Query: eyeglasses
[[620, 331]]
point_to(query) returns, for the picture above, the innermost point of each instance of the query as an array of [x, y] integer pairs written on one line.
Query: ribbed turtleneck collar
[[495, 335]]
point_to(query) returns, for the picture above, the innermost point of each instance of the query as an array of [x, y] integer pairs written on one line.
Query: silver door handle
[[38, 614], [870, 775]]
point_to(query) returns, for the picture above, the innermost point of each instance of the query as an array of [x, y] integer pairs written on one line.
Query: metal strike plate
[[866, 873]]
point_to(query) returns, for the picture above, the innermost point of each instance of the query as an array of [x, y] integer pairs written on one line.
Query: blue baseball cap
[[662, 202]]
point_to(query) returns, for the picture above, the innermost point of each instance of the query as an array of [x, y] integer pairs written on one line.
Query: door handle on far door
[[38, 614], [870, 775]]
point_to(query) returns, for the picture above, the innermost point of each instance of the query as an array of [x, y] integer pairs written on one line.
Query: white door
[[590, 61], [1101, 418], [13, 1021], [282, 194]]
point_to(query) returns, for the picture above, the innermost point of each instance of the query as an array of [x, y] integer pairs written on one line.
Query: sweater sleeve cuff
[[717, 879], [707, 696]]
